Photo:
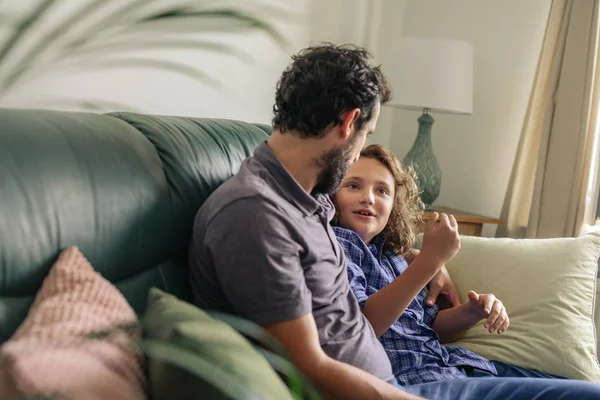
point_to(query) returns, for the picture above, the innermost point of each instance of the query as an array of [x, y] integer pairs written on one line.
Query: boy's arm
[[452, 323], [410, 255], [384, 307], [440, 243]]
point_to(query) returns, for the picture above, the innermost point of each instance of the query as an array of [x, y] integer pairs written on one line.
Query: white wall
[[476, 152]]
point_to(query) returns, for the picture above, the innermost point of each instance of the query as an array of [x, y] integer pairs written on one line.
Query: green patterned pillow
[[232, 362]]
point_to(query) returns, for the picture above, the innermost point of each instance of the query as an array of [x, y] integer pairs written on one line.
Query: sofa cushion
[[52, 354], [232, 359], [597, 315], [548, 287]]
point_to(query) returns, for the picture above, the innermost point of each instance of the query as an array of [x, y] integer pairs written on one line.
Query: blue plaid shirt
[[412, 346]]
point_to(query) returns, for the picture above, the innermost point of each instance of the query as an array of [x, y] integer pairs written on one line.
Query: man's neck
[[299, 156]]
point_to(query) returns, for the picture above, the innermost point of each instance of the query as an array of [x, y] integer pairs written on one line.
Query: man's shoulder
[[245, 194], [240, 187]]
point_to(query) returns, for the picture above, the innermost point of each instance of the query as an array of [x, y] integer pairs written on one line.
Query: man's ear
[[349, 119]]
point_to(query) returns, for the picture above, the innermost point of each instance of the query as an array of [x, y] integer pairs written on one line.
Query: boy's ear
[[348, 124]]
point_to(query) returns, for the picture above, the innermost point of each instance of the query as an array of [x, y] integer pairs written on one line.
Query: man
[[263, 247]]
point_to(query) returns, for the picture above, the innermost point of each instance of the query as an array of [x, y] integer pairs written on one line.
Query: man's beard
[[334, 166]]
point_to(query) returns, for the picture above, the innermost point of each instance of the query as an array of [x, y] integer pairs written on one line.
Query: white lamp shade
[[432, 73]]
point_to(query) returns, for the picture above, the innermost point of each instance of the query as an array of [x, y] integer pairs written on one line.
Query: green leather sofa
[[122, 187]]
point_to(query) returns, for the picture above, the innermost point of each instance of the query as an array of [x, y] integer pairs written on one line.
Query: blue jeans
[[507, 371], [512, 383], [506, 389]]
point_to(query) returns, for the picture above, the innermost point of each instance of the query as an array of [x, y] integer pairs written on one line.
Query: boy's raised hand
[[441, 241], [489, 307]]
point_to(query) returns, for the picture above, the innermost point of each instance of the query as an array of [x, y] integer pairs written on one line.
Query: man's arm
[[335, 380], [258, 268], [440, 284]]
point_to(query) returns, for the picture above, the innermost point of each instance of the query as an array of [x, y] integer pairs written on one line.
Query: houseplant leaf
[[175, 354], [156, 27]]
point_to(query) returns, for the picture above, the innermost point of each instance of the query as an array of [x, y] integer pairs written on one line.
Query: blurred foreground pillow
[[52, 354], [229, 364]]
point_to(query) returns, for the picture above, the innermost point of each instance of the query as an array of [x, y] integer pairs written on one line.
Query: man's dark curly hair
[[323, 82]]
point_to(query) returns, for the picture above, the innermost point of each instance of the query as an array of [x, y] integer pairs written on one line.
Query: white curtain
[[553, 189]]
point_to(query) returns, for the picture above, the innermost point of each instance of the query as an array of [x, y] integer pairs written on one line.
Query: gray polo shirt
[[263, 249]]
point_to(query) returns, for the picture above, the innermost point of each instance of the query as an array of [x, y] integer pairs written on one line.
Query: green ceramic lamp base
[[429, 207], [423, 161]]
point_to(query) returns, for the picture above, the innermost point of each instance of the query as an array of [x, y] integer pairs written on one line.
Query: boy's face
[[365, 199]]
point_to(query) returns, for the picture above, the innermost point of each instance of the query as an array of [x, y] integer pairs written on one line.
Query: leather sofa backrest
[[122, 187]]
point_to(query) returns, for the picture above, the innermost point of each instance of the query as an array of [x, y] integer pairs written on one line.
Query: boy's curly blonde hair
[[406, 214]]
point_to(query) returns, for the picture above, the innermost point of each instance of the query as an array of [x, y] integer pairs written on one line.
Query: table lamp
[[432, 75]]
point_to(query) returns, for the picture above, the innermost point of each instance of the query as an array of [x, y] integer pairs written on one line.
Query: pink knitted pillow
[[50, 354]]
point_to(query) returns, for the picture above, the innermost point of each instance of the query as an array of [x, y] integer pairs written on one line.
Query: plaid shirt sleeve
[[358, 283], [356, 276], [430, 313]]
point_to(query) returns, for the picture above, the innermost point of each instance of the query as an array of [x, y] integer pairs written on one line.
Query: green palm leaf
[[133, 327], [107, 22], [27, 61], [23, 28], [252, 331], [175, 354], [154, 63], [93, 52], [272, 350], [186, 19], [8, 18], [145, 43], [91, 105], [161, 27], [296, 381]]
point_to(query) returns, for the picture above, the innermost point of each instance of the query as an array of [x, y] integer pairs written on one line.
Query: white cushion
[[597, 314], [548, 287]]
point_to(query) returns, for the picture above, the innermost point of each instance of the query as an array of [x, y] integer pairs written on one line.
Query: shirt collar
[[304, 201], [378, 241]]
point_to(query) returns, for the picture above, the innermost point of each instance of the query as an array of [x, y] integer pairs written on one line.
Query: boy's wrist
[[410, 255], [430, 262], [474, 309]]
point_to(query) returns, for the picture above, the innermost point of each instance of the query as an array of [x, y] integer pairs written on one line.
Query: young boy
[[377, 207]]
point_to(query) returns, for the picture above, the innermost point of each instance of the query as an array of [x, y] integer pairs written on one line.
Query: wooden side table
[[468, 223]]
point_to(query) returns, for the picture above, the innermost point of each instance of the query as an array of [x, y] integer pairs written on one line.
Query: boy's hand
[[488, 306], [441, 241]]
